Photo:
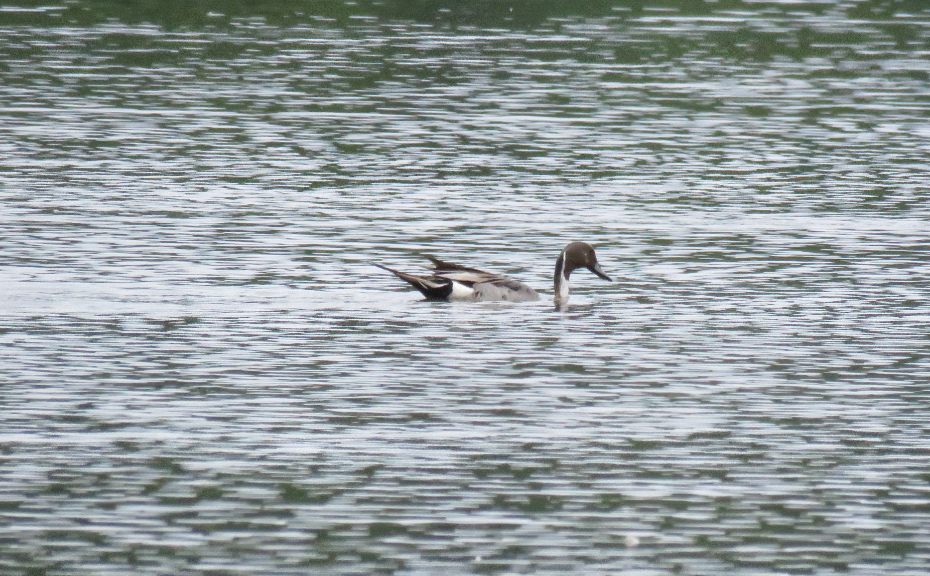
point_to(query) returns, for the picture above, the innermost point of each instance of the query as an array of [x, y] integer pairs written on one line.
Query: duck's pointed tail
[[432, 288]]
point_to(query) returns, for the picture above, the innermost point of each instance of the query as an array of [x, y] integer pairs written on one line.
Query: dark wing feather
[[440, 266]]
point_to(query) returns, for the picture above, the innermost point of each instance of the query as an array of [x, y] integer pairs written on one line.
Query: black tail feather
[[432, 288]]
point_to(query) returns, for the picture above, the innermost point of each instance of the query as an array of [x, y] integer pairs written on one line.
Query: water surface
[[203, 373]]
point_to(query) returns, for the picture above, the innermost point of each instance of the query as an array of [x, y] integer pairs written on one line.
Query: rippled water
[[203, 373]]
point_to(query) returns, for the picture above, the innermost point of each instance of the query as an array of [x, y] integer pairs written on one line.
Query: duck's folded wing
[[468, 278], [462, 274]]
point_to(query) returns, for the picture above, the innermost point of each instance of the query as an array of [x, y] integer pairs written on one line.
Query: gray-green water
[[202, 373]]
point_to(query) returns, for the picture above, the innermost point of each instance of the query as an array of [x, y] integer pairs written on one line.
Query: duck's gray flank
[[448, 281]]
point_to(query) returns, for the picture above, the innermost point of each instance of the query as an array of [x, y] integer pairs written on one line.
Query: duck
[[454, 282]]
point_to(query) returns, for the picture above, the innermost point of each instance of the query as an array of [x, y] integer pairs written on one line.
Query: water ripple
[[203, 373]]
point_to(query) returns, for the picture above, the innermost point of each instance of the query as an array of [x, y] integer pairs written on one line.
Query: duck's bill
[[600, 273]]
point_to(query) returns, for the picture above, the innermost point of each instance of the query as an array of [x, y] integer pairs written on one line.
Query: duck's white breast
[[563, 289]]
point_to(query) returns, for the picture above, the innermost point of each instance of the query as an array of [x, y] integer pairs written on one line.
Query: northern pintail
[[454, 282]]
